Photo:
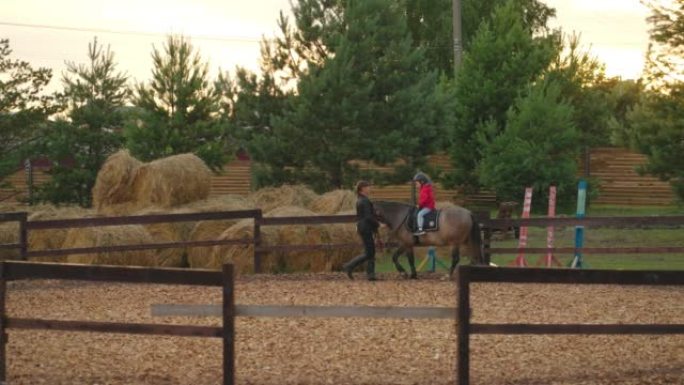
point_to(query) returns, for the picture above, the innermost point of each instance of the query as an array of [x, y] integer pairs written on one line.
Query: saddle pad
[[431, 222]]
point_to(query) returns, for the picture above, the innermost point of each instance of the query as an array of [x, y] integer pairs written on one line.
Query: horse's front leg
[[412, 263], [455, 257], [395, 259]]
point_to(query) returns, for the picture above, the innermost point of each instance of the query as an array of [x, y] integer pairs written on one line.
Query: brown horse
[[457, 226]]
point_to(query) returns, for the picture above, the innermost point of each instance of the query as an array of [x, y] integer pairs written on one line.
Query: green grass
[[594, 237]]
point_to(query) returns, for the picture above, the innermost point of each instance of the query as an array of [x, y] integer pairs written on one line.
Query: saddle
[[431, 222]]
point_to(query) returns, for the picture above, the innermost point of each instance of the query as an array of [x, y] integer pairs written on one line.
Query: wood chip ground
[[347, 351]]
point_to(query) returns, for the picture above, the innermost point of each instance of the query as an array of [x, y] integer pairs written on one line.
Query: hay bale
[[9, 233], [110, 236], [113, 186], [209, 230], [167, 232], [334, 202], [125, 185], [313, 261], [271, 198], [171, 182], [242, 256], [52, 238]]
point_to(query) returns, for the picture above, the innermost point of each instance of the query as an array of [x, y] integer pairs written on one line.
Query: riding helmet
[[422, 178]]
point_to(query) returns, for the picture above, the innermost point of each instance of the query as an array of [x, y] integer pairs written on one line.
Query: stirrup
[[419, 232]]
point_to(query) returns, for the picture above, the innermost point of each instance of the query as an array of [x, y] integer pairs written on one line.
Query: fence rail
[[27, 270], [470, 274], [488, 225]]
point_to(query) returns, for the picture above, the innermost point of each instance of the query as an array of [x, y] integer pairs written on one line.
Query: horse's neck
[[399, 215]]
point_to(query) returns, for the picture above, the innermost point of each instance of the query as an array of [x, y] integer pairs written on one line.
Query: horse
[[457, 226]]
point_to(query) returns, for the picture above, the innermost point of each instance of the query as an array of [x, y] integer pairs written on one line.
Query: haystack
[[113, 192], [52, 238], [209, 230], [9, 234], [242, 256], [313, 261], [171, 181], [124, 185], [167, 232], [333, 202], [110, 236], [271, 198]]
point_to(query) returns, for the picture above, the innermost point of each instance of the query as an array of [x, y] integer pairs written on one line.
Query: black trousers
[[368, 255]]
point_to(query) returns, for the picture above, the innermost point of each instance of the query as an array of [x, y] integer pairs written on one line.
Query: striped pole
[[550, 229], [522, 241], [577, 261]]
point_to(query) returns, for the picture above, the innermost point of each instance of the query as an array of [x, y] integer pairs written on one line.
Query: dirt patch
[[346, 351]]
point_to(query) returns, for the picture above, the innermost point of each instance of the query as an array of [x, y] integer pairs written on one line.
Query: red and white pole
[[522, 241], [550, 229]]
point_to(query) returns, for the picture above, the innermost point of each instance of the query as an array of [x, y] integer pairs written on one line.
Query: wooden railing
[[488, 226], [471, 274], [12, 271]]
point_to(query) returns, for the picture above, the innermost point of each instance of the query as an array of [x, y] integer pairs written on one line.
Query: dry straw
[[334, 202], [52, 238], [210, 230], [272, 198], [113, 186], [111, 236], [124, 185]]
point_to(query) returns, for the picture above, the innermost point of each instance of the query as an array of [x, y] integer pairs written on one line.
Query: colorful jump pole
[[577, 261], [520, 261], [550, 259]]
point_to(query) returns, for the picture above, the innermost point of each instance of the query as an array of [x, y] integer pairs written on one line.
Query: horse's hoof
[[403, 275], [414, 276]]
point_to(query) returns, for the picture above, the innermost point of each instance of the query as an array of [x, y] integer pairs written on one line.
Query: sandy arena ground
[[347, 351]]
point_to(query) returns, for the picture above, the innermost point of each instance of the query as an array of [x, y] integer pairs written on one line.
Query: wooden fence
[[488, 226], [470, 274], [11, 271]]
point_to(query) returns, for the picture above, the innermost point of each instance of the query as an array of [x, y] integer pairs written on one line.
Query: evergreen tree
[[504, 57], [375, 100], [178, 109], [538, 148], [94, 98], [584, 85], [655, 124], [24, 107], [431, 24]]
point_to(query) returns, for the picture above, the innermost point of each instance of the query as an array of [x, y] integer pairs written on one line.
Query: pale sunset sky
[[227, 32]]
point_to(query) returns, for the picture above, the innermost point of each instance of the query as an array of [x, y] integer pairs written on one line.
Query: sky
[[47, 33]]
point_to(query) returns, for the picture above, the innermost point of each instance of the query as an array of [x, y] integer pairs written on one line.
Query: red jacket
[[427, 197]]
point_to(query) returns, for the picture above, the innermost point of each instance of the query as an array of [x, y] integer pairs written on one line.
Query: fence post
[[3, 322], [487, 238], [463, 308], [257, 242], [228, 325], [23, 236]]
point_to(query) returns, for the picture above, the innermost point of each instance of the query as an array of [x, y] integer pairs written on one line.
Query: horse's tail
[[476, 242]]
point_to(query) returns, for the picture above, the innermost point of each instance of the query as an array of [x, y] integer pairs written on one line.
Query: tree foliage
[[94, 98], [504, 57], [373, 100], [24, 106], [178, 109], [538, 148]]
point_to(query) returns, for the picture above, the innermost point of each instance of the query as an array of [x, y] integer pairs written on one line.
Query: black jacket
[[365, 214]]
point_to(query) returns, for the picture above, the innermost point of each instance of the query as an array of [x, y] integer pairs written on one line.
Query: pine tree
[[24, 107], [655, 125], [178, 109], [504, 57], [375, 100], [94, 98], [538, 148]]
